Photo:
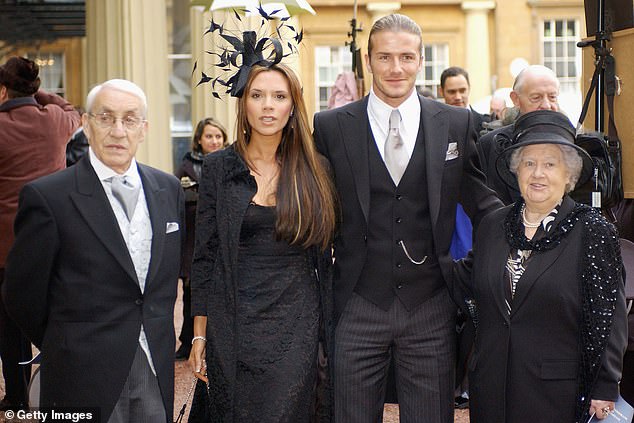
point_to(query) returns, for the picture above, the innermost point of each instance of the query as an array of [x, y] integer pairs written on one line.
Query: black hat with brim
[[541, 127]]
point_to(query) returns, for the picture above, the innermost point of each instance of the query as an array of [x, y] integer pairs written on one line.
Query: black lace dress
[[277, 325]]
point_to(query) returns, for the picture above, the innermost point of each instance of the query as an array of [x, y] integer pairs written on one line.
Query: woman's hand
[[601, 409], [199, 346], [197, 359]]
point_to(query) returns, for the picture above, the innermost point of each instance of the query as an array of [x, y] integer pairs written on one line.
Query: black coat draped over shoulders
[[226, 189]]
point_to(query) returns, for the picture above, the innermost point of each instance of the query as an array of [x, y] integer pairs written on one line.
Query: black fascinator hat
[[541, 127], [244, 50]]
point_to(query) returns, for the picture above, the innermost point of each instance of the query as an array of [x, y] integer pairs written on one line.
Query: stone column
[[477, 56], [380, 9], [128, 39]]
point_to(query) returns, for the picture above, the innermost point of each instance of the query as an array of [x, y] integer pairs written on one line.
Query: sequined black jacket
[[567, 331]]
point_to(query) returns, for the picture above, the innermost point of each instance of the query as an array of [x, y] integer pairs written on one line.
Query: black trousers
[[14, 347]]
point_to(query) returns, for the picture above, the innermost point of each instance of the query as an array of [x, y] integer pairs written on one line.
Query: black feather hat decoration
[[240, 51]]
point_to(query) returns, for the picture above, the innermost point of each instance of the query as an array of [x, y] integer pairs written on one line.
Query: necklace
[[526, 222]]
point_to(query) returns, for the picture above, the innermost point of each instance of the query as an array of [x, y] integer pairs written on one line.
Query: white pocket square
[[452, 151], [171, 227]]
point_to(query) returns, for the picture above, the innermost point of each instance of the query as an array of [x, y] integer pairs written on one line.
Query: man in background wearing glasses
[[535, 88], [91, 278]]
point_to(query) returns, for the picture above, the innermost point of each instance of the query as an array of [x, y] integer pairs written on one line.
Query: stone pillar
[[128, 39], [477, 54], [380, 9]]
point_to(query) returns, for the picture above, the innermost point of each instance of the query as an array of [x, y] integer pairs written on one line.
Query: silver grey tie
[[396, 157], [125, 193]]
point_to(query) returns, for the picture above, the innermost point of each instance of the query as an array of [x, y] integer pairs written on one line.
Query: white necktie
[[396, 157], [125, 193]]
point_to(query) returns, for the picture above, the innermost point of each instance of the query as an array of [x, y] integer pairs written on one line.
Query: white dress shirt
[[137, 232], [379, 116]]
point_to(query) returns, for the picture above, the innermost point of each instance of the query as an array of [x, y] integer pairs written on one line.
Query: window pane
[[547, 30], [559, 47], [560, 69], [570, 28], [323, 93], [572, 48], [559, 28], [52, 71], [572, 69], [334, 55], [548, 49], [322, 54]]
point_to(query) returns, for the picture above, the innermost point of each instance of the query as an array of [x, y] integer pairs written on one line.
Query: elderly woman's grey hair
[[572, 160]]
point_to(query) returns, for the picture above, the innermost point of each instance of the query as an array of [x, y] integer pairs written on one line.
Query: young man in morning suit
[[392, 262], [105, 237]]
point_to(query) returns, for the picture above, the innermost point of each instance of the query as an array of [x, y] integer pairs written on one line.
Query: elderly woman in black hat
[[547, 284]]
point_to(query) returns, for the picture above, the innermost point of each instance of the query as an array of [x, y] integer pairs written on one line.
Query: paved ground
[[184, 381]]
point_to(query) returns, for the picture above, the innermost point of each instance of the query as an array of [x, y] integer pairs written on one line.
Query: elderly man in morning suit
[[106, 237], [401, 163]]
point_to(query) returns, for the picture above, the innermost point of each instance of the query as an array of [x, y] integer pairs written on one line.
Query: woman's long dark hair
[[305, 196]]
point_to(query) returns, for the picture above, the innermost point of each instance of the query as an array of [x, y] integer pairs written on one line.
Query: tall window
[[435, 60], [330, 61], [559, 40], [179, 57]]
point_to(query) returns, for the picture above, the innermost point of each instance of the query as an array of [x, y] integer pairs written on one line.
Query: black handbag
[[605, 189], [199, 409]]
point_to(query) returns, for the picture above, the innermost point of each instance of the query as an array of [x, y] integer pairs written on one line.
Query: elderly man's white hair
[[120, 85], [534, 70]]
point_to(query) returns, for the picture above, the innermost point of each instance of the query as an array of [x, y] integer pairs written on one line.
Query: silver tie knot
[[126, 193]]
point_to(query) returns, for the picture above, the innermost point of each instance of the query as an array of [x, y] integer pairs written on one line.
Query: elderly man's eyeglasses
[[108, 121], [539, 98]]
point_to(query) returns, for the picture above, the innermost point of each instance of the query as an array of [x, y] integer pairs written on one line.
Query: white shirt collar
[[104, 172], [380, 111]]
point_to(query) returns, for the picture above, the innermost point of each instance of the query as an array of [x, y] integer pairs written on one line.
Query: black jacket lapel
[[354, 126], [93, 205], [156, 204], [435, 132]]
